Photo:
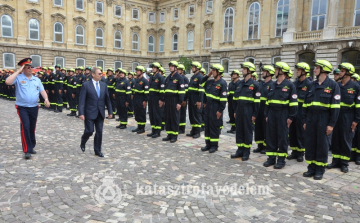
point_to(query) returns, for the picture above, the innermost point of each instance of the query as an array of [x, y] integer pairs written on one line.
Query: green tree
[[186, 62]]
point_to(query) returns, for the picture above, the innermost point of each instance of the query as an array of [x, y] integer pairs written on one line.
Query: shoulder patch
[[224, 93], [182, 85], [294, 96], [359, 98], [337, 97], [258, 94]]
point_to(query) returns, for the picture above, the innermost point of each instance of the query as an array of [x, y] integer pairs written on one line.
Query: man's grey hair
[[94, 69]]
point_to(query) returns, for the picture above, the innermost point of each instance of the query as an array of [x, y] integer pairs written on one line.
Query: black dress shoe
[[279, 166], [205, 148], [33, 152], [269, 163], [173, 140], [135, 130], [197, 135], [318, 176], [344, 169], [300, 159], [292, 156], [150, 134], [140, 131], [99, 154], [27, 156], [213, 149], [82, 148], [308, 174], [155, 135], [257, 150], [119, 126], [168, 138], [123, 127], [189, 134]]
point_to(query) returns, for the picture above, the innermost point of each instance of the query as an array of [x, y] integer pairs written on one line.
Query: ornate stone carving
[[151, 31], [33, 13], [99, 24], [161, 31], [227, 44], [175, 29], [118, 26], [144, 9], [79, 20], [58, 17], [109, 2], [199, 2], [208, 24], [249, 2], [182, 5], [229, 3], [7, 9], [168, 9], [190, 27], [59, 45], [128, 6], [135, 29]]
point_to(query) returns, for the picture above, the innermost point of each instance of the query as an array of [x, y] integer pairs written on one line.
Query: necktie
[[97, 89]]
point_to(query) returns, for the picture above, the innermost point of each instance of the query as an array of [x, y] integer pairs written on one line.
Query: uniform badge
[[284, 89], [195, 79], [327, 90], [22, 82], [175, 81], [162, 85], [74, 82], [157, 80], [122, 83], [337, 97], [359, 98], [129, 87], [294, 96], [217, 87], [186, 85], [251, 88], [181, 85], [140, 82], [304, 88], [351, 91], [258, 94], [224, 93], [146, 87], [37, 88]]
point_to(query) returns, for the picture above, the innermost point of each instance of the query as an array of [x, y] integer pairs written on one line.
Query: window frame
[[100, 60], [13, 56], [36, 55], [273, 59], [190, 41], [177, 42], [138, 42], [30, 29], [120, 40], [117, 61], [134, 67], [80, 58], [228, 28], [58, 57], [162, 13], [161, 44], [177, 10], [102, 38], [205, 39], [115, 6], [355, 10], [153, 13], [62, 32], [212, 7], [258, 24], [132, 14], [102, 7], [221, 62], [153, 44], [208, 66], [276, 21], [61, 5], [318, 15], [83, 7], [248, 58], [76, 35], [191, 6], [11, 27]]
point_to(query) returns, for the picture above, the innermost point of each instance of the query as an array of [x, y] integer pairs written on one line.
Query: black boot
[[123, 127], [173, 139], [141, 130], [156, 134], [311, 171], [205, 148], [168, 138], [270, 161], [259, 149], [152, 133], [232, 130], [246, 154], [320, 170], [191, 133], [280, 163], [213, 149], [334, 164], [293, 155], [344, 166], [72, 113], [357, 160], [135, 130], [300, 157], [239, 153], [182, 130]]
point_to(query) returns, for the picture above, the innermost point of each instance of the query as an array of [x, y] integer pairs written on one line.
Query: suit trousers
[[89, 130]]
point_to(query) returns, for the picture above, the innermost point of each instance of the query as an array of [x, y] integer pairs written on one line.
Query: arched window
[[254, 20], [276, 59], [175, 42], [6, 26], [318, 14], [161, 44], [357, 13], [208, 34], [8, 60], [80, 35], [308, 58], [58, 32], [99, 37], [282, 17], [228, 25], [118, 40], [135, 42], [151, 44], [34, 29], [190, 40], [225, 64], [352, 57], [250, 59]]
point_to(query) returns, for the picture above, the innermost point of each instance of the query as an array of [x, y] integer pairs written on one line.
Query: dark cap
[[25, 61]]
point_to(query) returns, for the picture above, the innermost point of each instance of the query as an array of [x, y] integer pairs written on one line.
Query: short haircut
[[94, 69]]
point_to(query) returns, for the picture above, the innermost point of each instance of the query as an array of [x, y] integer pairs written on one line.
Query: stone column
[[288, 36], [332, 20]]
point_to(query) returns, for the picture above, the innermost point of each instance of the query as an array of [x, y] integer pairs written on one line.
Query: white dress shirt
[[94, 82]]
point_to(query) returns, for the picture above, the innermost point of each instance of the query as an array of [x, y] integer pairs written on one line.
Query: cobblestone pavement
[[62, 184]]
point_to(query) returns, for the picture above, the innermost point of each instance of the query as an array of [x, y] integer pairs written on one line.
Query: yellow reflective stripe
[[214, 140], [181, 92], [271, 153], [194, 89], [277, 102], [123, 123], [243, 98], [203, 90], [171, 91], [207, 138], [316, 163], [301, 100], [263, 98], [117, 90], [293, 104], [315, 103], [257, 100], [182, 124], [243, 145], [231, 92], [128, 92], [172, 133], [153, 89], [335, 106], [298, 149], [141, 123], [137, 91], [203, 84], [340, 157], [196, 125], [215, 97], [342, 104], [357, 106]]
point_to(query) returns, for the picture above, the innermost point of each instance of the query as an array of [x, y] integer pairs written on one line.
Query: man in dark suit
[[93, 97]]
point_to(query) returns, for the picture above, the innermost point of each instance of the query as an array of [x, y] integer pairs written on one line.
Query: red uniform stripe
[[23, 140]]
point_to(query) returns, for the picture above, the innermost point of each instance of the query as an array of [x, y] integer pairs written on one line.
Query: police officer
[[156, 95], [268, 72], [231, 90], [71, 92], [296, 131], [195, 96], [182, 125], [122, 95], [141, 97], [214, 105], [349, 117], [320, 113], [280, 110], [58, 88], [132, 83], [174, 94], [110, 79], [246, 105]]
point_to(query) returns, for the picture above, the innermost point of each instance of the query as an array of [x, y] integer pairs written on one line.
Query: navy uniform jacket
[[247, 93]]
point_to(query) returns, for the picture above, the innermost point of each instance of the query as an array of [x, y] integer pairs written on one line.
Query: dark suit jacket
[[89, 103]]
